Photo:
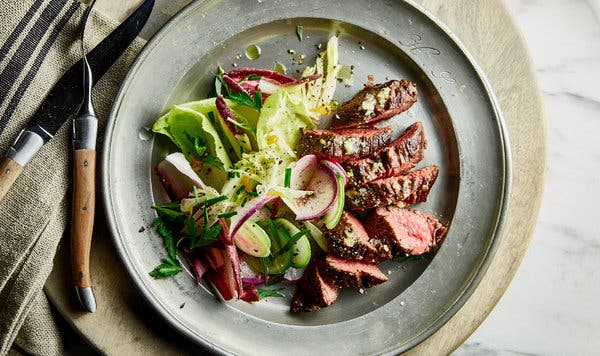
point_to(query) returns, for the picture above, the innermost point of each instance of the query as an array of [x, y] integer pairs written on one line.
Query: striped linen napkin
[[38, 43]]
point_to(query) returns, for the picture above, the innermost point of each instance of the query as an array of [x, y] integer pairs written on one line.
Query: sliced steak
[[375, 103], [341, 145], [396, 231], [402, 190], [397, 158], [349, 240], [313, 292], [352, 274]]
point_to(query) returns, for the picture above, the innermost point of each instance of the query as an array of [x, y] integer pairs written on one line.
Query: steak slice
[[400, 190], [397, 158], [313, 292], [375, 103], [349, 240], [396, 231], [341, 145], [352, 274]]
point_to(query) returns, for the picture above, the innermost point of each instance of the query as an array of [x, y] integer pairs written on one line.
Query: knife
[[66, 96]]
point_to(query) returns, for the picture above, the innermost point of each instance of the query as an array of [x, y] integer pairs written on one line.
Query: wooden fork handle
[[82, 221]]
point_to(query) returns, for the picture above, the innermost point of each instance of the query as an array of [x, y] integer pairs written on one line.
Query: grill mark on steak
[[313, 291], [349, 240], [397, 231], [397, 158], [375, 103], [341, 145], [352, 274], [400, 190]]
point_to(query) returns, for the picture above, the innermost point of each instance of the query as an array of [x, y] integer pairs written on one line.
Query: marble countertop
[[551, 307]]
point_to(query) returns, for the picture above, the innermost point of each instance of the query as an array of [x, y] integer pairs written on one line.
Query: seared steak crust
[[375, 103], [397, 231], [397, 158], [349, 240], [400, 190], [313, 291], [341, 145]]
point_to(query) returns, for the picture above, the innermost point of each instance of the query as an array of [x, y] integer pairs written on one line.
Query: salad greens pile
[[246, 211]]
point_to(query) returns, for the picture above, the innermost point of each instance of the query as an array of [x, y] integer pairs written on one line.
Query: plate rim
[[479, 269]]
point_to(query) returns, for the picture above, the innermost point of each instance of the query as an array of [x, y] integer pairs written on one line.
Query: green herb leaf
[[169, 212], [299, 32], [190, 226], [168, 236], [242, 98], [292, 240], [213, 201], [258, 100], [167, 268], [209, 235], [227, 215], [251, 77], [288, 177], [213, 161], [409, 258], [264, 293]]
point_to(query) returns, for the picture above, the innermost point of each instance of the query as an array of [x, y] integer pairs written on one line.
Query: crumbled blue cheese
[[383, 95], [368, 105], [350, 145]]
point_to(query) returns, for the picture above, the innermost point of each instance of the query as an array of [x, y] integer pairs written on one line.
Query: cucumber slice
[[301, 253], [253, 240], [281, 262], [332, 217], [301, 249]]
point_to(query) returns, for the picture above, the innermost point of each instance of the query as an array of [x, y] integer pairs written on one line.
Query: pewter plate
[[387, 39]]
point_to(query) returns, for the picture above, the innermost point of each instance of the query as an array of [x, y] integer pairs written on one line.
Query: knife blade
[[66, 95]]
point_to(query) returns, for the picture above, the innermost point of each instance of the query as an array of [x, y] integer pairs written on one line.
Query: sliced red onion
[[226, 113], [240, 73], [324, 188], [302, 171], [177, 176], [336, 168], [247, 211], [253, 280]]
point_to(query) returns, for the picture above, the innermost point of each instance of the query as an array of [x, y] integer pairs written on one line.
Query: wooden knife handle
[[82, 220], [9, 171]]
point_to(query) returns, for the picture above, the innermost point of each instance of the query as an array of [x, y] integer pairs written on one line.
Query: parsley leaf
[[169, 237], [201, 148], [242, 98], [264, 293], [170, 212], [208, 236], [167, 268], [258, 100]]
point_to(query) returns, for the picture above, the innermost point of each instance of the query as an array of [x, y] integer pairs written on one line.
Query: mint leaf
[[242, 98], [168, 236], [170, 212], [264, 293], [165, 269]]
